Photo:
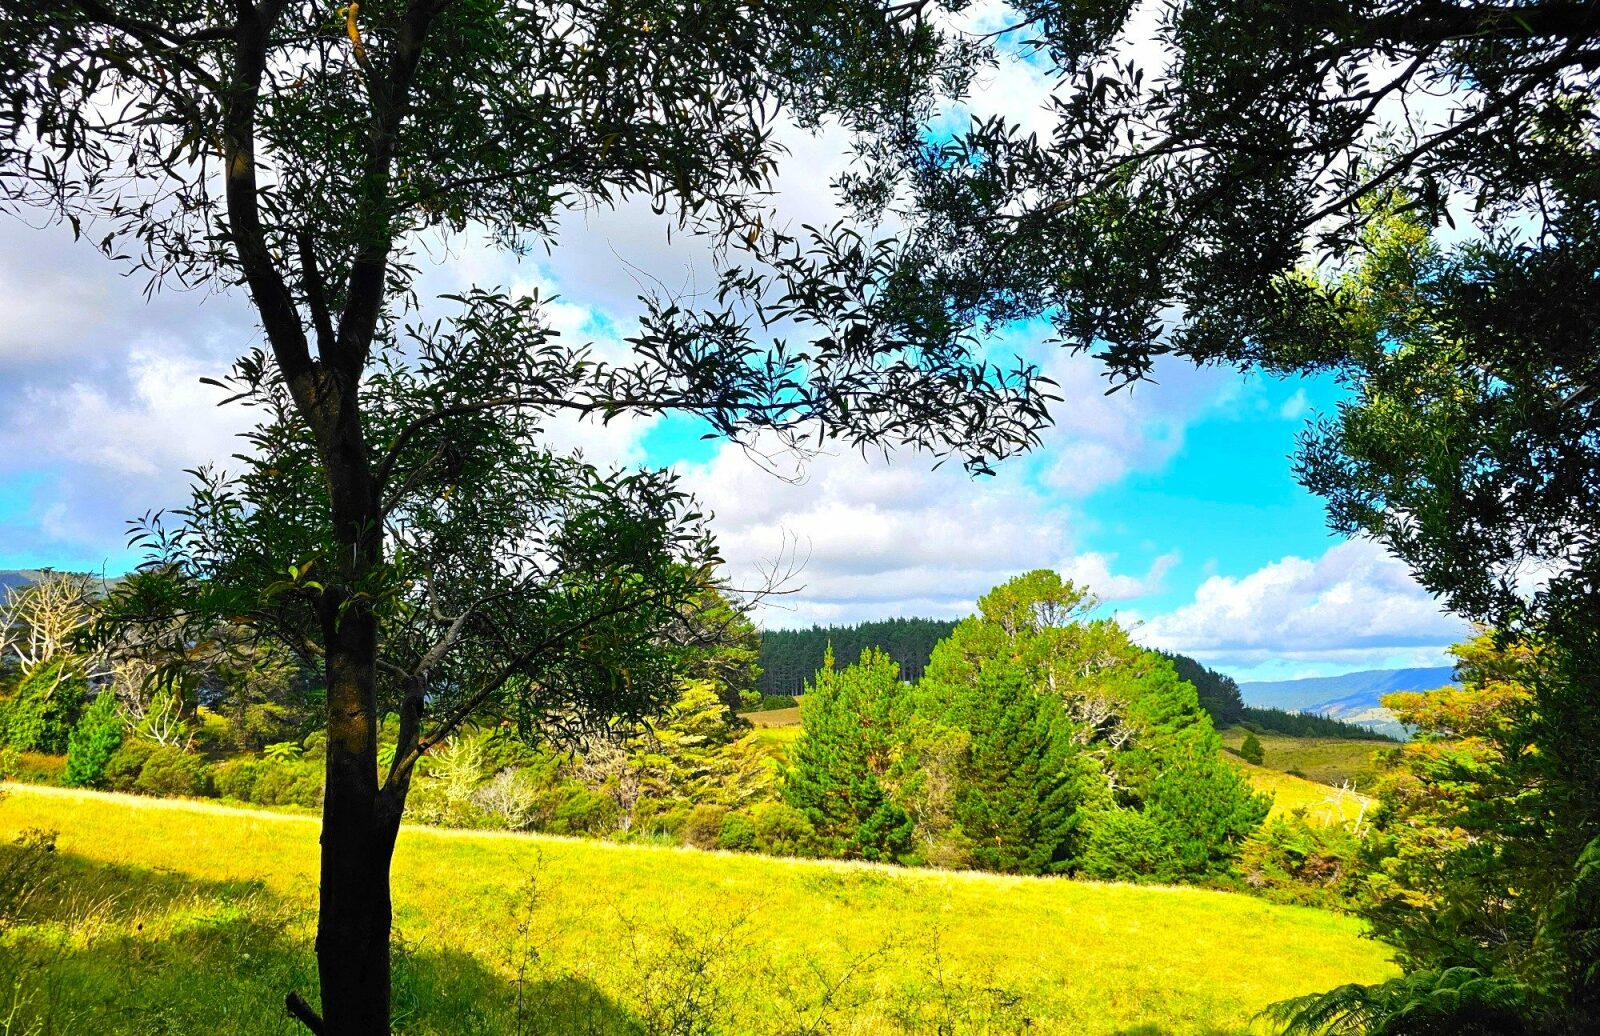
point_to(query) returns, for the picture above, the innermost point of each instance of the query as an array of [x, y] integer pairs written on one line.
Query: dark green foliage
[[1291, 860], [151, 769], [1458, 1001], [790, 657], [39, 714], [1022, 779], [1219, 693], [840, 763], [1251, 751], [1133, 758], [1306, 724], [93, 741], [270, 782]]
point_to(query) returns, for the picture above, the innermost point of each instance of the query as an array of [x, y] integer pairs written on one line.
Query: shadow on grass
[[118, 950]]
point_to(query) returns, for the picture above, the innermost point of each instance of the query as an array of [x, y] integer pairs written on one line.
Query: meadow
[[156, 916], [1326, 760]]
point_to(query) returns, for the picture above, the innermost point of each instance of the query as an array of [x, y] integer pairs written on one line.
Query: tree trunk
[[358, 838], [359, 823]]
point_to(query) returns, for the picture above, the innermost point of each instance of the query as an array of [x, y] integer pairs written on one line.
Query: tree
[[1219, 693], [1157, 800], [1250, 750], [841, 765], [1021, 780], [1469, 874], [306, 153], [94, 741], [1195, 164]]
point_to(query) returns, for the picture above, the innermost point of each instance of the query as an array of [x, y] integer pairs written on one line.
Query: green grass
[[165, 916], [1323, 804], [1323, 759]]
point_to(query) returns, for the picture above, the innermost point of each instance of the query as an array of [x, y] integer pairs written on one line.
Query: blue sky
[[1174, 501]]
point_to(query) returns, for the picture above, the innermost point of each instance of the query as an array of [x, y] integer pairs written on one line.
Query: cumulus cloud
[[1355, 605]]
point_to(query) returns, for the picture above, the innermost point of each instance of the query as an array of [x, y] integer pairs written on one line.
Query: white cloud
[[1093, 570], [1355, 606]]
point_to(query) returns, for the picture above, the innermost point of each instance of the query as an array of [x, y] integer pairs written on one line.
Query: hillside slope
[[186, 917]]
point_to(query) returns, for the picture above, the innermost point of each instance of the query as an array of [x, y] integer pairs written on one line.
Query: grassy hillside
[[1323, 803], [1327, 760], [166, 916]]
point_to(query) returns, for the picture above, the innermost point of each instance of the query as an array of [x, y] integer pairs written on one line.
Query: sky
[[1173, 501]]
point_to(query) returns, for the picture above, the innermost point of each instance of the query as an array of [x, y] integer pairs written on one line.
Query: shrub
[[93, 742], [38, 716], [122, 769], [582, 811], [703, 827], [236, 778], [782, 830], [170, 772], [153, 769], [1251, 751], [288, 783], [511, 799], [738, 833], [1290, 860]]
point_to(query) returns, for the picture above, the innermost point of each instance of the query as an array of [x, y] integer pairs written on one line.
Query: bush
[[582, 812], [1251, 751], [738, 833], [153, 769], [38, 716], [236, 778], [1289, 860], [771, 828], [173, 773], [703, 827], [93, 742], [782, 830], [122, 769], [288, 782]]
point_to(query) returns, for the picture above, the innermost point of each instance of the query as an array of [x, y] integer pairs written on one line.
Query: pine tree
[[840, 762], [93, 742], [1022, 779], [1251, 751]]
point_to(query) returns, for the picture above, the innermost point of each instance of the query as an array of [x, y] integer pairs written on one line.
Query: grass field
[[1326, 760], [177, 917], [1323, 804]]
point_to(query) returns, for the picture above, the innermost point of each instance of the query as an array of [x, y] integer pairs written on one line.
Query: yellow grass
[[201, 915], [1323, 803], [1328, 760]]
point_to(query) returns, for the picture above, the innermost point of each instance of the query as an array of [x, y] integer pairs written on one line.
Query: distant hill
[[11, 577], [1353, 697]]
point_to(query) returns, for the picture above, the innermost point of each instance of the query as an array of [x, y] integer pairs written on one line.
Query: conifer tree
[[1022, 780], [841, 763]]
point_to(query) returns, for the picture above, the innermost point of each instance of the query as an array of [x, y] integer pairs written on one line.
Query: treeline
[[790, 658], [1219, 696], [1306, 724]]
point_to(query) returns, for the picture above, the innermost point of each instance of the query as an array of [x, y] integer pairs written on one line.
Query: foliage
[[1020, 780], [1305, 724], [38, 716], [790, 657], [1472, 881], [840, 769], [155, 769], [1250, 750], [1292, 859], [1218, 692], [1156, 801], [93, 741], [1203, 155]]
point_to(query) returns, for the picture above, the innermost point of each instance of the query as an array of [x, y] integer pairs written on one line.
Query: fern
[[1454, 1002]]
